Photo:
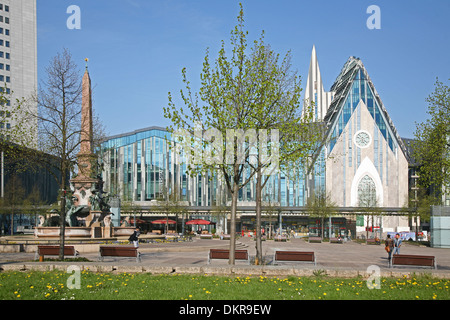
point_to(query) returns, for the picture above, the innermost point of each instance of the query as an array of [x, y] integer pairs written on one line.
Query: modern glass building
[[141, 166]]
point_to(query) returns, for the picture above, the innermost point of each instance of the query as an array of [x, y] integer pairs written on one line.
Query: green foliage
[[248, 90], [320, 204], [432, 148]]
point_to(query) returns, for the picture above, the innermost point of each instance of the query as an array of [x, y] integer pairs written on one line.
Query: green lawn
[[106, 286]]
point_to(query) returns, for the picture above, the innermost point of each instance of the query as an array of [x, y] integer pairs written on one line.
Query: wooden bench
[[206, 236], [413, 260], [373, 241], [54, 251], [225, 254], [119, 251], [336, 240], [290, 256], [315, 239], [225, 237]]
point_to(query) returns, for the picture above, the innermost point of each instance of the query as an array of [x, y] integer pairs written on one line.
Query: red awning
[[137, 221], [200, 221], [164, 221]]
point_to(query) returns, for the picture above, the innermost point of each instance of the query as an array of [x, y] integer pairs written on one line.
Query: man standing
[[397, 244]]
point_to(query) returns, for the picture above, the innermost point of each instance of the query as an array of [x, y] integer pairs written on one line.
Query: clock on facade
[[362, 139]]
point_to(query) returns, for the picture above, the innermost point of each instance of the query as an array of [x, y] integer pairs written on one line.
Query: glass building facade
[[141, 166]]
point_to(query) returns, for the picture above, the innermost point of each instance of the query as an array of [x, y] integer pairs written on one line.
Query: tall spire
[[314, 92]]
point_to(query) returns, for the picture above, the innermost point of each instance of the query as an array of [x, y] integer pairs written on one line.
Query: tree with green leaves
[[17, 144], [368, 201], [13, 198], [431, 148], [246, 97], [319, 205], [228, 92], [34, 204], [277, 107]]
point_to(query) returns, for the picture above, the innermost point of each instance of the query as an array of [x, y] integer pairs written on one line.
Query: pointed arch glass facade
[[360, 90]]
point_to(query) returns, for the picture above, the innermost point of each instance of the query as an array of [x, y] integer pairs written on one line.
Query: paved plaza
[[347, 259]]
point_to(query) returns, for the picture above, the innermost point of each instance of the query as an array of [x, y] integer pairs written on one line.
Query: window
[[7, 20], [2, 77], [8, 79], [7, 55], [8, 67], [6, 44], [7, 32], [6, 8], [367, 192]]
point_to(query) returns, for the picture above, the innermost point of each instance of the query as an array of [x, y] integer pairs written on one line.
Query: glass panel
[[367, 193]]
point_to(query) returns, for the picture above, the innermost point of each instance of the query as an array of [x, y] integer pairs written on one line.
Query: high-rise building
[[18, 53]]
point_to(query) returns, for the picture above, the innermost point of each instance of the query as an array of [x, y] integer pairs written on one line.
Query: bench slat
[[294, 256], [119, 251], [414, 260], [225, 254], [54, 251]]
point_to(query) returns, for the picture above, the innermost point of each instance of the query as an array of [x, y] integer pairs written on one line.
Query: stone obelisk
[[87, 160]]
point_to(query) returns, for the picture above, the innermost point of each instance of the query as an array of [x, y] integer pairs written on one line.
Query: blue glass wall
[[140, 166], [360, 90]]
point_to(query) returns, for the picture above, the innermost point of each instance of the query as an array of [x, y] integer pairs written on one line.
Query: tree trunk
[[322, 227], [234, 198], [367, 228], [258, 257], [62, 215], [12, 223]]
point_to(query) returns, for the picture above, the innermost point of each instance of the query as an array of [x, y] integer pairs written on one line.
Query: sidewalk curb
[[231, 271]]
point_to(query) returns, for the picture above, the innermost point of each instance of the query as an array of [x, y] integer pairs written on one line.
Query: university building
[[365, 160], [364, 166]]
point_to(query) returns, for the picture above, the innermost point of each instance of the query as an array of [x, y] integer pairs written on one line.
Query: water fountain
[[88, 213]]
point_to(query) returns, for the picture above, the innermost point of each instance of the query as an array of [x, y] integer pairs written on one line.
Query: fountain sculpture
[[88, 213]]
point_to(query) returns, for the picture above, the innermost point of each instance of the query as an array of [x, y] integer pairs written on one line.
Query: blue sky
[[137, 48]]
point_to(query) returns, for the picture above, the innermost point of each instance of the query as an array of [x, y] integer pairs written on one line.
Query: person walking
[[134, 238], [389, 246], [397, 244]]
